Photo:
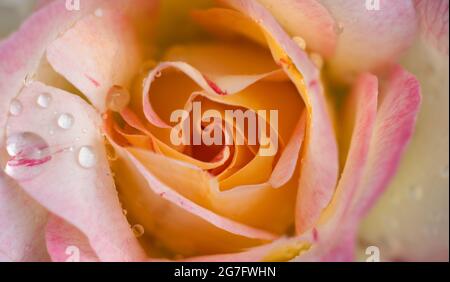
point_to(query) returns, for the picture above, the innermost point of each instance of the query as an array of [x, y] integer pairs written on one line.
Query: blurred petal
[[433, 17], [22, 224], [400, 102], [65, 243], [72, 183], [335, 235], [420, 189], [370, 40], [282, 250], [307, 19], [227, 23], [370, 166]]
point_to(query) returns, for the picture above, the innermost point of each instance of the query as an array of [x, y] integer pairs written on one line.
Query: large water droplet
[[44, 100], [138, 230], [29, 153], [65, 121], [117, 98], [87, 157], [15, 108]]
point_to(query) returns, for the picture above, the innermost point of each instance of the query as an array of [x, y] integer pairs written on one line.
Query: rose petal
[[370, 40], [335, 235], [396, 118], [372, 161], [21, 53], [85, 196], [307, 19], [320, 160], [165, 213], [281, 250], [22, 222], [97, 53], [420, 189], [228, 23], [433, 17], [65, 243]]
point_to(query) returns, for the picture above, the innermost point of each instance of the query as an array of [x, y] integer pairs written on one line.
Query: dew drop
[[300, 42], [416, 192], [29, 78], [125, 212], [138, 230], [15, 108], [117, 98], [158, 74], [87, 157], [65, 121], [44, 100], [29, 153]]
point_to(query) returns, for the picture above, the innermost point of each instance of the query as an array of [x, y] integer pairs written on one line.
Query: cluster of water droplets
[[29, 153]]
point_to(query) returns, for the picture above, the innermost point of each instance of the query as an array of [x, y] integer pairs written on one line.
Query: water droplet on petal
[[138, 230], [65, 121], [87, 157], [44, 100], [29, 153], [416, 192], [125, 212], [158, 74], [15, 108], [300, 42], [29, 78], [117, 99]]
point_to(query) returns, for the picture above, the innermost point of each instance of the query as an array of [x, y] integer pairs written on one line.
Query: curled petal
[[400, 102], [318, 174], [376, 147]]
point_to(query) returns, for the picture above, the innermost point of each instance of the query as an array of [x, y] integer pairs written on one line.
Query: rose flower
[[98, 166]]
